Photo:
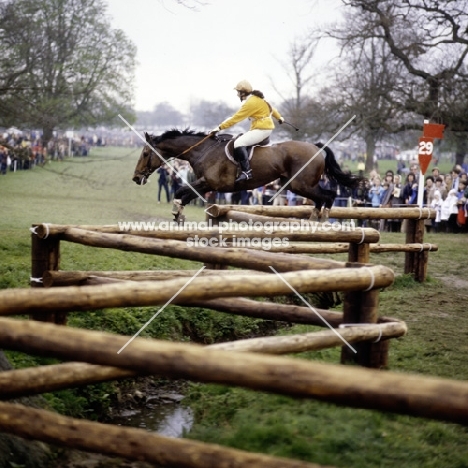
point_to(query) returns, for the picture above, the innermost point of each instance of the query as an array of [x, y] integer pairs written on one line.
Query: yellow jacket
[[258, 111]]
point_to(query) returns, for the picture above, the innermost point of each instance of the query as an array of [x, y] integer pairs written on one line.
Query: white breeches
[[252, 137]]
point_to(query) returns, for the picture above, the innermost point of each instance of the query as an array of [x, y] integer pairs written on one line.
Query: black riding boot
[[241, 155]]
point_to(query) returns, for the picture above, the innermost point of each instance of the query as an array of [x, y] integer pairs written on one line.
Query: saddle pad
[[229, 150]]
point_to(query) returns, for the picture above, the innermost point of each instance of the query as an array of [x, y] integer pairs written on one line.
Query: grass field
[[99, 190]]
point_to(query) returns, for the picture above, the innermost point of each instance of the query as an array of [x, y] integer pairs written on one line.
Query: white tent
[[14, 131]]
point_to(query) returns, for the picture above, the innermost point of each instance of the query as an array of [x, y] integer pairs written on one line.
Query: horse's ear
[[147, 137]]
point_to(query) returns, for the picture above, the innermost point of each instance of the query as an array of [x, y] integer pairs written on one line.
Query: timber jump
[[415, 249], [362, 334]]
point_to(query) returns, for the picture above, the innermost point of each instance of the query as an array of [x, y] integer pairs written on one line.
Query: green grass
[[436, 345], [99, 190]]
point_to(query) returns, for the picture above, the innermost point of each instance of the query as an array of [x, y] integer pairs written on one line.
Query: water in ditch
[[163, 414]]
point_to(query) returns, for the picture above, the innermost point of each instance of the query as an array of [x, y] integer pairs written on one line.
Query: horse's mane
[[174, 133]]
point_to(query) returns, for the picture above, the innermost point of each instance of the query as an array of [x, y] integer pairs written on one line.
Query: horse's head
[[147, 163]]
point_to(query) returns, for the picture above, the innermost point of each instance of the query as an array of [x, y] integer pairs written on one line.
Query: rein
[[194, 146]]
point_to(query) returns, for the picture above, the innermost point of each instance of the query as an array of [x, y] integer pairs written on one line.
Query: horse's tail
[[333, 170]]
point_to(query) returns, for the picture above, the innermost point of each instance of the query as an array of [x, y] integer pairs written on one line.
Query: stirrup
[[244, 176]]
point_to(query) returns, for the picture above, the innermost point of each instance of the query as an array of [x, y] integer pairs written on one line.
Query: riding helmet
[[244, 86]]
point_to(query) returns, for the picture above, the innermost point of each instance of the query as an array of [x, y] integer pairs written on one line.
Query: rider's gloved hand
[[280, 120], [215, 130]]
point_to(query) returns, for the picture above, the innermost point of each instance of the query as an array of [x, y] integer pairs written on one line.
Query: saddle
[[229, 148]]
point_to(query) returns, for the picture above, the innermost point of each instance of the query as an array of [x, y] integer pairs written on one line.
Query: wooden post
[[214, 266], [359, 252], [45, 255], [362, 307], [416, 262], [420, 258]]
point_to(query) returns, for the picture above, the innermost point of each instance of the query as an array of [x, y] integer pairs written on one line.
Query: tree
[[73, 69], [13, 31], [299, 69], [367, 85], [430, 39]]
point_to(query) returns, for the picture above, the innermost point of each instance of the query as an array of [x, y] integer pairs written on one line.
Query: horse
[[296, 163]]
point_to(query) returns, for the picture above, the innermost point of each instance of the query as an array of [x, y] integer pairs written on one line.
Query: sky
[[187, 55]]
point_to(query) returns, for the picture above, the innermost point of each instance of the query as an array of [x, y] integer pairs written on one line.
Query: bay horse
[[294, 160]]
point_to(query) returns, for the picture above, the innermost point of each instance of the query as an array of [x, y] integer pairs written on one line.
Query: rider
[[259, 112]]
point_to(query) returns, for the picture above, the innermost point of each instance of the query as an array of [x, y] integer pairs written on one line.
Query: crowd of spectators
[[447, 194]]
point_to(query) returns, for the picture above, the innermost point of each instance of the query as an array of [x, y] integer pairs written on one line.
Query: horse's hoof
[[325, 215], [181, 219], [177, 207], [314, 216]]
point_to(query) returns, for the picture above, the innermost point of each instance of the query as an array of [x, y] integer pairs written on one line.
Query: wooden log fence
[[357, 387], [130, 443], [292, 230], [415, 261], [258, 260], [36, 380], [135, 294], [305, 211], [244, 363], [81, 278], [52, 303]]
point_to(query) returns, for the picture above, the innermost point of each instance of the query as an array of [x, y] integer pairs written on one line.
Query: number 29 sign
[[426, 143], [426, 147]]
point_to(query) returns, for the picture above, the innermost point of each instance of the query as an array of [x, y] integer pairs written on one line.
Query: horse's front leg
[[177, 209], [325, 215], [186, 194], [315, 214]]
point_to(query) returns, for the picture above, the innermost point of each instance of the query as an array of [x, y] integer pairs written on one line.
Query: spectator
[[428, 196], [163, 182], [448, 182], [440, 186], [280, 199], [292, 198], [176, 181], [414, 169], [3, 162], [449, 212], [361, 166], [184, 171], [436, 205], [462, 195], [456, 177], [360, 199], [394, 225], [408, 188], [257, 196]]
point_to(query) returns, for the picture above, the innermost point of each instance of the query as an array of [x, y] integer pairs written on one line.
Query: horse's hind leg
[[320, 197], [328, 197]]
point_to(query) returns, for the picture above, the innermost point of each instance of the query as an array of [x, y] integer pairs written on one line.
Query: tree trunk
[[15, 450], [370, 151], [47, 134]]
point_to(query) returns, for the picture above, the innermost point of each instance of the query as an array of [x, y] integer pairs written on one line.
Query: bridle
[[148, 170]]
